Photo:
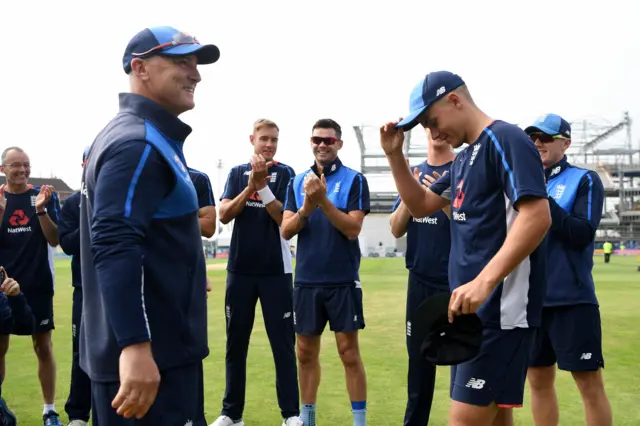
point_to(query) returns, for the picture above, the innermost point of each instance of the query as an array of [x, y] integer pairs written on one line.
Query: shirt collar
[[328, 169], [556, 169], [167, 123]]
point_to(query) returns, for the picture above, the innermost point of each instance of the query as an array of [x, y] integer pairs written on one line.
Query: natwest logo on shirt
[[459, 217], [18, 221], [427, 220], [255, 201]]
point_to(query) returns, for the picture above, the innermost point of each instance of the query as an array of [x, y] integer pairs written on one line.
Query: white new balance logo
[[586, 356], [475, 383]]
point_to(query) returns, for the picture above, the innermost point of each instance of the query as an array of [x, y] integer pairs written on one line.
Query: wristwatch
[[42, 213]]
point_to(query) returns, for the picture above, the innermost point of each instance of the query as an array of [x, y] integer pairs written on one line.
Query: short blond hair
[[264, 122]]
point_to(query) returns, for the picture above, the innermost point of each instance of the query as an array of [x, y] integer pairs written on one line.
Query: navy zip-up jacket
[[576, 200], [15, 315], [69, 235], [143, 273]]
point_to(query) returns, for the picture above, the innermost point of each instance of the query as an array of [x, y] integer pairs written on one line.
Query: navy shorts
[[42, 309], [498, 373], [313, 306], [179, 400], [570, 336]]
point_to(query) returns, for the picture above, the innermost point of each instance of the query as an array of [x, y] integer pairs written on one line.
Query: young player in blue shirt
[[427, 259], [325, 207], [499, 217], [28, 235], [570, 334], [259, 267]]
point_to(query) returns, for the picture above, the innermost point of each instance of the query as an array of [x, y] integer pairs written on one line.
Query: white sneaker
[[226, 421], [293, 421], [78, 423]]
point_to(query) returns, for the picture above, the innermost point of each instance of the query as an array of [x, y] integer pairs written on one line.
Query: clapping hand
[[44, 196], [259, 167], [391, 139]]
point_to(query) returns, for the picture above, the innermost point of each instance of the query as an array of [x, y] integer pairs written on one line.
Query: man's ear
[[140, 68]]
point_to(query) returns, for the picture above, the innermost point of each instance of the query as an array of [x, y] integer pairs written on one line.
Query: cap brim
[[411, 120], [540, 129], [206, 54]]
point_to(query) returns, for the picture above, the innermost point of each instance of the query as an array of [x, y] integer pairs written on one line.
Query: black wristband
[[42, 213]]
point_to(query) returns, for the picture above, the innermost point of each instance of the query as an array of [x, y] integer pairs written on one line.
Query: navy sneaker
[[51, 419], [7, 418]]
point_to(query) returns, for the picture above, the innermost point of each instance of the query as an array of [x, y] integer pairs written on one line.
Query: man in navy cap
[[427, 260], [78, 405], [570, 334], [143, 272], [499, 217]]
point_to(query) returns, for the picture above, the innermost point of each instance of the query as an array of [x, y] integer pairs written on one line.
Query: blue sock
[[359, 409], [308, 414]]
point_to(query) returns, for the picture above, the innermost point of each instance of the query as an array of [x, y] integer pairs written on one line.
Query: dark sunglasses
[[178, 39], [544, 138], [329, 140]]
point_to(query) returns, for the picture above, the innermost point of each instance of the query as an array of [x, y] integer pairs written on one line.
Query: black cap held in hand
[[441, 342]]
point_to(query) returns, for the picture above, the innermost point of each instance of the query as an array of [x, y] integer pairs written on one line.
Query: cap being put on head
[[441, 342], [552, 125], [431, 88], [167, 41]]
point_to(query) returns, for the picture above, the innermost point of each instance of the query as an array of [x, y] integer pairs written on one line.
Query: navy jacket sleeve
[[132, 181], [231, 189], [23, 319], [518, 165], [359, 197], [203, 189], [578, 228], [290, 200], [69, 226]]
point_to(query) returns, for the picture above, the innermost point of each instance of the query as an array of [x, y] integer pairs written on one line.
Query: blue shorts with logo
[[42, 308], [570, 336], [314, 305], [498, 373]]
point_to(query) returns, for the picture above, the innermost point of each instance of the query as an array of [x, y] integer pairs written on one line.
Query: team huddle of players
[[506, 227]]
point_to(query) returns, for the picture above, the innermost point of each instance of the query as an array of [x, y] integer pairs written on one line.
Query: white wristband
[[266, 195]]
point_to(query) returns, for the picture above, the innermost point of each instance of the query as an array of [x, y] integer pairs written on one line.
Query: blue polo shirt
[[256, 247], [24, 251], [143, 273], [576, 199], [324, 256], [429, 239], [203, 188], [69, 235], [486, 180]]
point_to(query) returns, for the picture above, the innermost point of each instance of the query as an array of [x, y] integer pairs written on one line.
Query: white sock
[[48, 407]]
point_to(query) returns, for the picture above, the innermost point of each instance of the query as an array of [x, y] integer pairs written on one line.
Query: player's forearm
[[49, 229], [230, 209], [349, 226], [526, 234], [207, 226], [399, 220], [420, 203], [274, 209], [575, 232], [117, 256], [293, 223]]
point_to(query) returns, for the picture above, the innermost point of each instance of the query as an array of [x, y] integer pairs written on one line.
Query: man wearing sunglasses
[[259, 267], [499, 217], [325, 207], [144, 331], [570, 334], [28, 235]]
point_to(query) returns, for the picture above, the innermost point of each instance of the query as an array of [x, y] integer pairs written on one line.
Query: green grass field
[[383, 350]]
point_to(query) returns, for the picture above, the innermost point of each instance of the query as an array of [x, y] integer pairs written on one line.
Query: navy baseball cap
[[431, 88], [167, 41], [552, 125], [441, 342]]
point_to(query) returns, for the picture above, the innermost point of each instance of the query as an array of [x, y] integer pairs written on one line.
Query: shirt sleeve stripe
[[134, 180]]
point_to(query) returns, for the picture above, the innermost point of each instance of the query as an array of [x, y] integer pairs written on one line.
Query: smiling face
[[551, 148], [265, 139], [445, 119], [325, 145], [16, 167], [169, 80]]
